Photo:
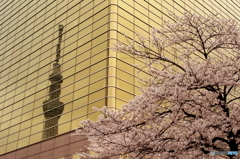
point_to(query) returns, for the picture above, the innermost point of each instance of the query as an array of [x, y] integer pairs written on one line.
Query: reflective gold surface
[[93, 75]]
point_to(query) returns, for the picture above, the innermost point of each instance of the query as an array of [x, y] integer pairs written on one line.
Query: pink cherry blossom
[[189, 107]]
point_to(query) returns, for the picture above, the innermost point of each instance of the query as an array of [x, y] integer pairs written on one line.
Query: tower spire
[[58, 50], [52, 107]]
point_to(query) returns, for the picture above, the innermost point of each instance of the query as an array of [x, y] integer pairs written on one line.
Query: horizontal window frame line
[[124, 91], [97, 72], [227, 14], [63, 33], [60, 96], [235, 9], [138, 43], [60, 123], [38, 30], [202, 6], [53, 54], [80, 89], [140, 12], [159, 9], [122, 99], [8, 5], [132, 84], [53, 20], [60, 57], [76, 99], [60, 72], [180, 7], [16, 13], [35, 15], [235, 5], [57, 115], [28, 19], [133, 16], [134, 76], [43, 130], [62, 42]]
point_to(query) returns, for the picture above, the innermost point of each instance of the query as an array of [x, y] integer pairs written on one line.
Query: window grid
[[28, 53]]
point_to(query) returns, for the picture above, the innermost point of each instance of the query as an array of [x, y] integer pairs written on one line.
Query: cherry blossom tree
[[190, 105]]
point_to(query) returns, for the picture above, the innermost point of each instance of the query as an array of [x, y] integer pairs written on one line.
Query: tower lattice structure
[[52, 107]]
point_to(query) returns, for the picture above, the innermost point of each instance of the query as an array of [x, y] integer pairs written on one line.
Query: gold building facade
[[92, 74]]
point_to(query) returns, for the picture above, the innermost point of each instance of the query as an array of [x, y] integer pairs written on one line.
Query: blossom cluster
[[189, 107]]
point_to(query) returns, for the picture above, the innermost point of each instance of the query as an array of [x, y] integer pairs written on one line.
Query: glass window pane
[[11, 146], [94, 116], [98, 75], [23, 142], [97, 85], [63, 128], [79, 112], [35, 138], [123, 95], [126, 67], [81, 92], [125, 86], [97, 95], [98, 66]]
